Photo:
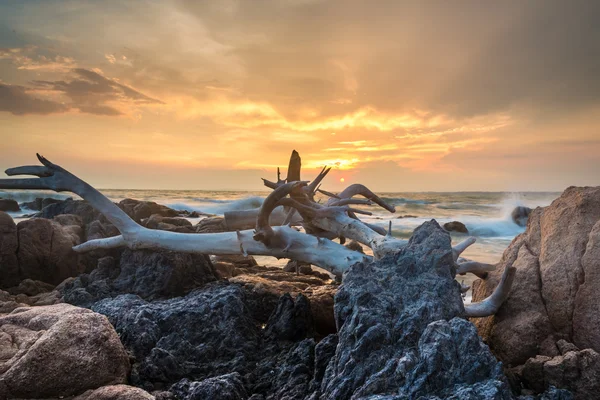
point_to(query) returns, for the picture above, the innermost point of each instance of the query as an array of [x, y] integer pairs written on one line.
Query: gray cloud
[[463, 58], [89, 92], [17, 100]]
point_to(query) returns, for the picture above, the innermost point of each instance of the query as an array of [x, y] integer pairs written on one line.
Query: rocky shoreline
[[139, 324]]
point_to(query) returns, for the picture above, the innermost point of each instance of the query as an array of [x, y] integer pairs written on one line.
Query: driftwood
[[292, 201]]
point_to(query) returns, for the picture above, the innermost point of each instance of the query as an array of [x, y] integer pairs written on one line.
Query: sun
[[342, 179]]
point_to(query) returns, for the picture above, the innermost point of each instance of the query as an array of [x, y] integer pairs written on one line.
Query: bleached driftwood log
[[292, 197]]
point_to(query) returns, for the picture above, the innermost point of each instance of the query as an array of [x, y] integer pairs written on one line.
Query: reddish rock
[[46, 250], [9, 243], [60, 350]]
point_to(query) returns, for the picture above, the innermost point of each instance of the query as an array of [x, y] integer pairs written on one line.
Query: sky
[[397, 95]]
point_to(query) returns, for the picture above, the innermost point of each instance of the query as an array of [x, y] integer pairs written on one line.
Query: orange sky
[[402, 96]]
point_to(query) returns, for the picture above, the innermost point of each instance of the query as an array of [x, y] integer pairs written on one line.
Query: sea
[[487, 215]]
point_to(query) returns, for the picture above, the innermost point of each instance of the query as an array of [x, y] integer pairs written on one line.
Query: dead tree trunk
[[295, 199]]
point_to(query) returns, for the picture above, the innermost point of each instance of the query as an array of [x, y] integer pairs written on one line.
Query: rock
[[116, 392], [324, 352], [30, 287], [45, 250], [8, 303], [9, 205], [577, 371], [69, 220], [291, 320], [264, 289], [354, 245], [520, 215], [148, 274], [586, 314], [39, 203], [287, 375], [9, 243], [456, 226], [76, 207], [211, 225], [298, 267], [206, 333], [223, 387], [155, 219], [396, 339], [555, 289], [406, 216], [58, 350], [555, 285], [139, 210]]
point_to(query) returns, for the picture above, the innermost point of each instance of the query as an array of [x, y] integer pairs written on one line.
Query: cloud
[[88, 91], [18, 101], [25, 59]]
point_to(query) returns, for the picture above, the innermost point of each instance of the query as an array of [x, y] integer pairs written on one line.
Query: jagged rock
[[116, 392], [456, 226], [577, 371], [9, 243], [148, 274], [520, 215], [288, 374], [291, 320], [9, 205], [58, 350], [208, 332], [45, 250], [397, 339], [324, 351], [223, 387]]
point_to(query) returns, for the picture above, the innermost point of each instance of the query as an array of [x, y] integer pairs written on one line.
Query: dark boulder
[[139, 210], [9, 243], [9, 205], [222, 387], [148, 274], [80, 208], [520, 215], [39, 203], [456, 226], [206, 333]]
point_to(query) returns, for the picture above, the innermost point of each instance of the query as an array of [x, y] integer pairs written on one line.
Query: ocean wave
[[23, 196], [402, 200], [215, 206]]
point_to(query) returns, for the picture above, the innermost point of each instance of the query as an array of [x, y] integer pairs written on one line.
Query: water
[[485, 214]]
